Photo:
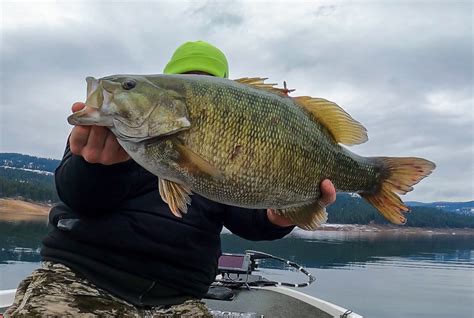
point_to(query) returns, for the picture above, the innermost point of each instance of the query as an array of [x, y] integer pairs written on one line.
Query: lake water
[[372, 274]]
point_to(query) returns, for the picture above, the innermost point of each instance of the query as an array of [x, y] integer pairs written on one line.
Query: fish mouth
[[95, 93], [92, 114], [92, 84], [89, 116]]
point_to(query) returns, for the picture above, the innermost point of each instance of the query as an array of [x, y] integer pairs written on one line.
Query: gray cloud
[[213, 15], [404, 69]]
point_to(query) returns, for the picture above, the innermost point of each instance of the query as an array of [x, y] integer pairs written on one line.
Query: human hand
[[328, 197], [328, 193], [95, 144]]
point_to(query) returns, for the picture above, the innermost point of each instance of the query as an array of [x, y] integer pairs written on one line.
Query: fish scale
[[274, 145]]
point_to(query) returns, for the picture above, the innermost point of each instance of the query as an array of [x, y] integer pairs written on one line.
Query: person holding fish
[[118, 246]]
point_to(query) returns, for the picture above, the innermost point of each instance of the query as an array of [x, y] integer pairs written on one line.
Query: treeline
[[346, 210], [17, 181], [29, 185], [18, 160], [431, 217], [353, 210]]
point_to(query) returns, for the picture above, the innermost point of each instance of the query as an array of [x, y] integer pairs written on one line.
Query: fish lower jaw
[[90, 117]]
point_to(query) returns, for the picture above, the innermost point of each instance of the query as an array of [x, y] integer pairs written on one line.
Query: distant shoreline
[[393, 229], [19, 210]]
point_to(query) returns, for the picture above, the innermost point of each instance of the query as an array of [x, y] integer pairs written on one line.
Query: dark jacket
[[114, 229]]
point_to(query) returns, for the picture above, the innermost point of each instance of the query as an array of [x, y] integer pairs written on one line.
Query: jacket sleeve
[[87, 188], [253, 224]]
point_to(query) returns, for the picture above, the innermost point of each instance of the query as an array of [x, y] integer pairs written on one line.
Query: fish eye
[[129, 84]]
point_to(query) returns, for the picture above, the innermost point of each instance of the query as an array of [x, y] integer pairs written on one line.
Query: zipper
[[146, 291]]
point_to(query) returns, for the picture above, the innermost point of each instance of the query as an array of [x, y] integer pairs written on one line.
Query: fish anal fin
[[194, 163], [176, 195], [345, 129], [308, 217], [259, 82]]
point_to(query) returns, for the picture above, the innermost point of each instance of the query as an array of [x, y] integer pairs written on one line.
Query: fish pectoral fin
[[344, 129], [195, 164], [259, 82], [308, 217], [176, 195]]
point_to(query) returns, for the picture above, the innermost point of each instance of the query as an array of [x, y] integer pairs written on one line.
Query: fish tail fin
[[399, 177]]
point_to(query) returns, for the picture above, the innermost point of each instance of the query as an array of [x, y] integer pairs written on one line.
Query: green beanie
[[198, 56]]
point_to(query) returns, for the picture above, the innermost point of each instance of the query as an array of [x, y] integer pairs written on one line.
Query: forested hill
[[351, 209], [25, 162], [28, 177], [458, 207], [32, 179]]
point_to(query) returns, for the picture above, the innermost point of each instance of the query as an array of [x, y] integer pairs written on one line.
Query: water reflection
[[378, 275], [373, 274], [350, 251], [21, 240]]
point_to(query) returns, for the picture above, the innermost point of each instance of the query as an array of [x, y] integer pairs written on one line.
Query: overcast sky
[[402, 68]]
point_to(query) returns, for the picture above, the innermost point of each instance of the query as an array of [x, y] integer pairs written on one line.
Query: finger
[[77, 106], [95, 144], [328, 192], [112, 152], [123, 155], [277, 219], [78, 138]]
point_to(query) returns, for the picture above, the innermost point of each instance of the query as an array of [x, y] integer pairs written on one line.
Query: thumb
[[77, 107]]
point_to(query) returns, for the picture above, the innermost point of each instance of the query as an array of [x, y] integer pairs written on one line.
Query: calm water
[[374, 275]]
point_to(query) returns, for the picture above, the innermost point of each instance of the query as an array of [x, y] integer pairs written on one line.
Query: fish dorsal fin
[[259, 82], [345, 129]]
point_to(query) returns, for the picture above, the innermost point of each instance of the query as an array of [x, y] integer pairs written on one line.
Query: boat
[[240, 292]]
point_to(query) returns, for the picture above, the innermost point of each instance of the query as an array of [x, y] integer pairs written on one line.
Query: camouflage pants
[[56, 291]]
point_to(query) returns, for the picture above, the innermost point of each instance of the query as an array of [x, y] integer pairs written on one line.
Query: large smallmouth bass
[[245, 143]]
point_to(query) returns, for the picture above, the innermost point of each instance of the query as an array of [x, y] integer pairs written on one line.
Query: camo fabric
[[56, 291]]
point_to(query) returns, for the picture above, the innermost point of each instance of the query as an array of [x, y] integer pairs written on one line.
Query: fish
[[245, 143]]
